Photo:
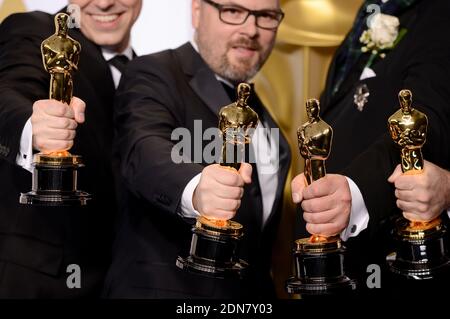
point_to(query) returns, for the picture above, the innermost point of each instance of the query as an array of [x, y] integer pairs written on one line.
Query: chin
[[108, 41], [244, 73]]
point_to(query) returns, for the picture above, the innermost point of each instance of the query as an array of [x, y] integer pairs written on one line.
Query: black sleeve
[[23, 79], [146, 113]]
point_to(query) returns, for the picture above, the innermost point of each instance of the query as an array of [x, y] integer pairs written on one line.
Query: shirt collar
[[109, 54]]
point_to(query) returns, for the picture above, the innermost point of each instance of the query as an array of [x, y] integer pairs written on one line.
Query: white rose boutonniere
[[382, 35]]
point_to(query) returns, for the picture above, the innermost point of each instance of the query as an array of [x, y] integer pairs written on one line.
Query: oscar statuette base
[[55, 182], [421, 252], [319, 269], [213, 250]]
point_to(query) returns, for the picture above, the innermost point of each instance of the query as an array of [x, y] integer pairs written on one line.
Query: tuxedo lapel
[[208, 88], [328, 92], [202, 78], [349, 82]]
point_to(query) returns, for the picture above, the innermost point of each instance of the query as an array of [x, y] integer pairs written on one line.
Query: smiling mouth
[[105, 18]]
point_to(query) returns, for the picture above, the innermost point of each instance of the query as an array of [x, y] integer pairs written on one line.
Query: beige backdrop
[[10, 6]]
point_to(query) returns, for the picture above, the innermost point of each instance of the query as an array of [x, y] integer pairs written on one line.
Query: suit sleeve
[[22, 78], [146, 113]]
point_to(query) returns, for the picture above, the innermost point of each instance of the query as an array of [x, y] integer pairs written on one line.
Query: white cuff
[[25, 156], [359, 215], [448, 212], [187, 207]]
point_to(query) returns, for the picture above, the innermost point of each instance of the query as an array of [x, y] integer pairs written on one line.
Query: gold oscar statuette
[[318, 259], [420, 245], [215, 242], [55, 171]]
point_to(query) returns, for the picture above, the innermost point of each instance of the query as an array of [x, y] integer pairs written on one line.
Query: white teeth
[[105, 18]]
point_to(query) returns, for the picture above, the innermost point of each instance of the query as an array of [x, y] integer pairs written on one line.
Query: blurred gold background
[[296, 71], [10, 6]]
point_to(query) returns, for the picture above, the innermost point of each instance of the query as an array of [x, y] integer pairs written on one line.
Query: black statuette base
[[319, 272], [419, 257], [213, 253], [55, 185]]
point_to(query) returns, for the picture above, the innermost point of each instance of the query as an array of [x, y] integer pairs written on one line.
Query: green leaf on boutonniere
[[382, 53], [400, 36]]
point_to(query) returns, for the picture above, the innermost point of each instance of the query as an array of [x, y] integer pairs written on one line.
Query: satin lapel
[[209, 89], [327, 95], [203, 80], [349, 81]]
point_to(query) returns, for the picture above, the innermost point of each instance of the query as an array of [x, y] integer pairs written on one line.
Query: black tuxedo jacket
[[362, 148], [159, 93], [38, 243]]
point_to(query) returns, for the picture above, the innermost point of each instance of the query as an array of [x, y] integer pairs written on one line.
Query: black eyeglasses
[[236, 15]]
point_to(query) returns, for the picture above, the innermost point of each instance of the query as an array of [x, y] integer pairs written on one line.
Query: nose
[[105, 4], [249, 27]]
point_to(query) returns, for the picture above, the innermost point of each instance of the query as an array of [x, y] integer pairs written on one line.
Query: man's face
[[108, 22], [235, 52]]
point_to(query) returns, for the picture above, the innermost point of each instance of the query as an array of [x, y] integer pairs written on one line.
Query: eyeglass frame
[[255, 13]]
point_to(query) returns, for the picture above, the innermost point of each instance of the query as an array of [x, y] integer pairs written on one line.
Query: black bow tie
[[119, 62]]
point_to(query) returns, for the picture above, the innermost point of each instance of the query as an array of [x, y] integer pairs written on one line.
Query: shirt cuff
[[359, 215], [25, 156], [187, 207]]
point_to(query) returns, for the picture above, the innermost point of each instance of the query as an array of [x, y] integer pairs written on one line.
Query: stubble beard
[[243, 70]]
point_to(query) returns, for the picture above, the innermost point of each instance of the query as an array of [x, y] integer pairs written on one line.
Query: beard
[[242, 69]]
